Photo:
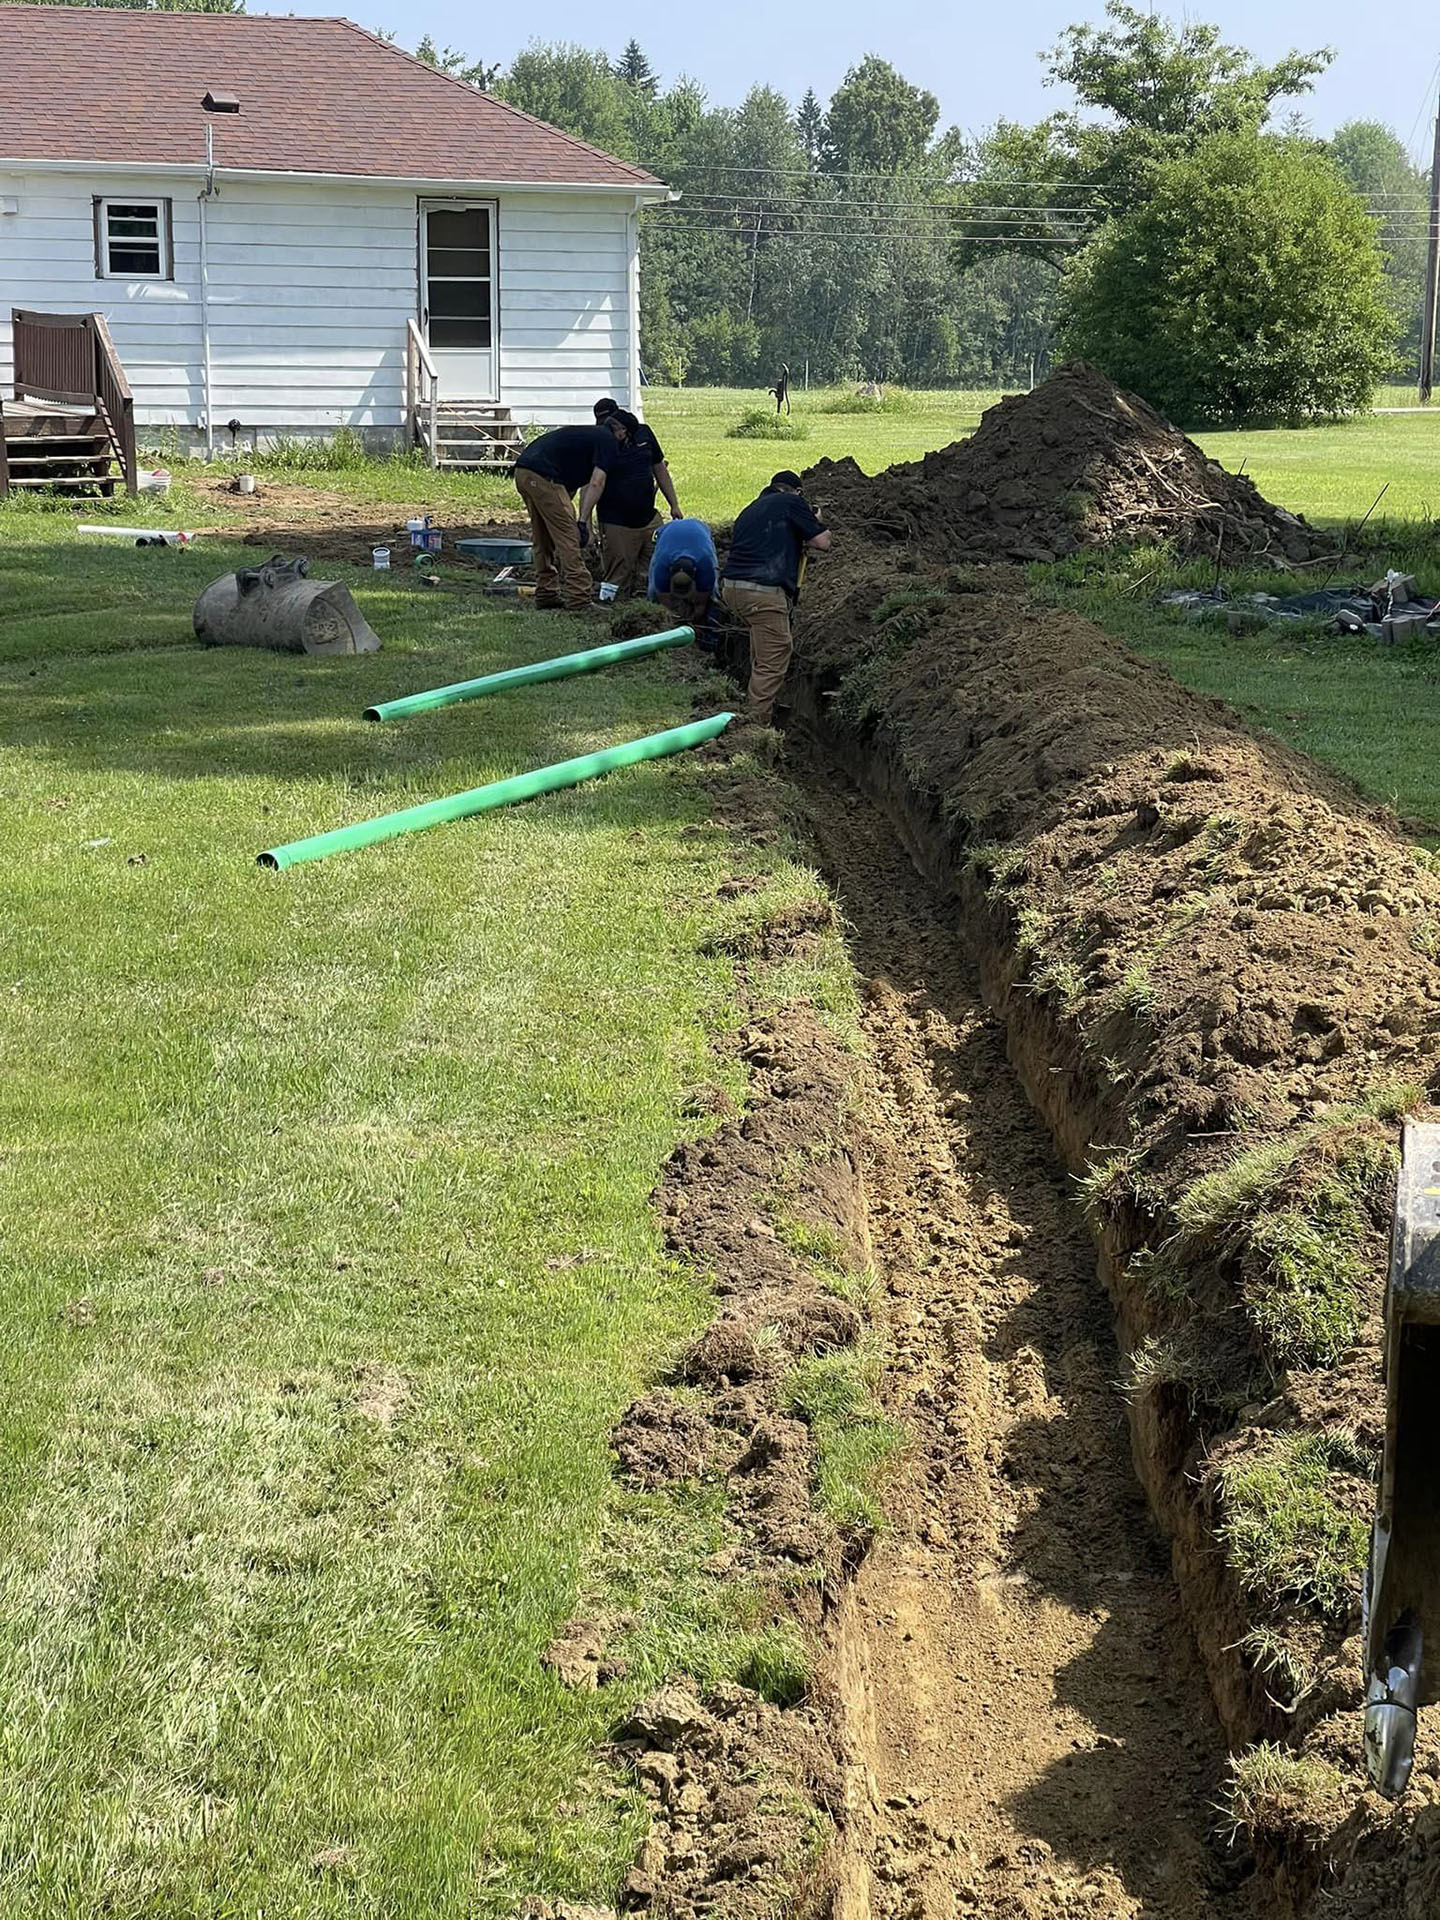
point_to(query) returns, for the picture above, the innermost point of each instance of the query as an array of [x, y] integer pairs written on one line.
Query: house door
[[457, 293]]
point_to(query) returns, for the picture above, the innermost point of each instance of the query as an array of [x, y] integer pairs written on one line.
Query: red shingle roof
[[316, 96]]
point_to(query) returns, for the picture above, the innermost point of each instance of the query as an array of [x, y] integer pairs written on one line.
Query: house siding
[[311, 286]]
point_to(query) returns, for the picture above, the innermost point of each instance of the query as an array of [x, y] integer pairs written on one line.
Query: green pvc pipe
[[499, 793], [558, 669]]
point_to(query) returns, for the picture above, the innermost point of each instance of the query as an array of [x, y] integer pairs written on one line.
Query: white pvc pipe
[[172, 537], [203, 200]]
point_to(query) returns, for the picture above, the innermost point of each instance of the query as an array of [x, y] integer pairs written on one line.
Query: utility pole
[[1432, 274]]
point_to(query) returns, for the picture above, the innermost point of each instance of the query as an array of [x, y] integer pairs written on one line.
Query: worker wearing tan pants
[[761, 581], [561, 575], [766, 613], [627, 555], [548, 473]]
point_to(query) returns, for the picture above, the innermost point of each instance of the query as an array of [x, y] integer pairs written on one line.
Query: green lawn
[[324, 1223], [327, 1253]]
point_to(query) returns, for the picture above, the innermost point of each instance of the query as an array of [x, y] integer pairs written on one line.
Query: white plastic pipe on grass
[[172, 538]]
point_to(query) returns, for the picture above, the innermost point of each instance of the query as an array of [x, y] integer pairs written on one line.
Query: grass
[[1270, 1786], [328, 1256], [1286, 1535], [855, 1439], [758, 424], [1299, 1212]]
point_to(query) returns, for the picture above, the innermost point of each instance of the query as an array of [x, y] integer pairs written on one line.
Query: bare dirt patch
[[1019, 1681]]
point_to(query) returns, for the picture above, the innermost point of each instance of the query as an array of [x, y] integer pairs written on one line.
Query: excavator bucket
[[279, 606], [1402, 1589]]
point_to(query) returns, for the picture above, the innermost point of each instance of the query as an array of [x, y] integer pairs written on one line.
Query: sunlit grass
[[327, 1254]]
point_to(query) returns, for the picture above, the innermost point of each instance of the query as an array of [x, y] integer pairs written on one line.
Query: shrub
[[890, 400], [1246, 285], [761, 424]]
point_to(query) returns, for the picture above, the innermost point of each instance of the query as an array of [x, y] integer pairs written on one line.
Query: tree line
[[862, 240]]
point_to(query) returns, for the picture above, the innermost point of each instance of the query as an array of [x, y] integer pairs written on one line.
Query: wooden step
[[86, 458], [51, 442], [66, 481]]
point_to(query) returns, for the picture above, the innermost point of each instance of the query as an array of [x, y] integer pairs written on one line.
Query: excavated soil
[[1075, 463], [1198, 941]]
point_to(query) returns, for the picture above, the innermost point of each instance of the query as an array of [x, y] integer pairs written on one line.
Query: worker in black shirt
[[626, 511], [644, 436], [548, 474], [761, 578]]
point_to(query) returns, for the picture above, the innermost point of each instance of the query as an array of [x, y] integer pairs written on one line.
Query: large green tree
[[1246, 285], [878, 122], [1147, 91], [575, 88], [476, 73]]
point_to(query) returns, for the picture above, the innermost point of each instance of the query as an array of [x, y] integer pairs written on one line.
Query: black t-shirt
[[769, 539], [629, 496], [569, 455]]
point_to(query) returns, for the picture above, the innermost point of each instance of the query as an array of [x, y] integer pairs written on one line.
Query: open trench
[[1031, 1733]]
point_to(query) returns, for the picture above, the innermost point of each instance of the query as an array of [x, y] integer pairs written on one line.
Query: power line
[[723, 202]]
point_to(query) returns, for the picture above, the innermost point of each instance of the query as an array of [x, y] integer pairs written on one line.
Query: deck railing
[[422, 393], [70, 360], [116, 405]]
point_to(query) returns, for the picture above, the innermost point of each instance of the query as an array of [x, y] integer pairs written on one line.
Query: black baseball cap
[[785, 478], [604, 408]]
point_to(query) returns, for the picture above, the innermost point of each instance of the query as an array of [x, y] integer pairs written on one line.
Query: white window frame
[[104, 241]]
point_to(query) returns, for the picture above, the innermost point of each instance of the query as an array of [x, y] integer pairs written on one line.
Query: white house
[[289, 224]]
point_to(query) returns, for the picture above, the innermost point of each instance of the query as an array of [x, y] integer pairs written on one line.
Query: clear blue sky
[[979, 59]]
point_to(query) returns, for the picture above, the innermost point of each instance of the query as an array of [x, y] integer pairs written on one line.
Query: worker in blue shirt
[[683, 575]]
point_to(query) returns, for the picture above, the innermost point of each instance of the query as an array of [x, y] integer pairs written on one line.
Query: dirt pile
[[1076, 463]]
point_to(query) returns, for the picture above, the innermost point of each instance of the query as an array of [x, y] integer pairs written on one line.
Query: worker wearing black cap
[[761, 581]]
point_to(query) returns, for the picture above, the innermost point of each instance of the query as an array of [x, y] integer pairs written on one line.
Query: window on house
[[132, 239]]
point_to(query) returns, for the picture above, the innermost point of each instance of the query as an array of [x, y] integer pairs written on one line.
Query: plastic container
[[245, 483], [608, 591], [498, 553], [380, 559]]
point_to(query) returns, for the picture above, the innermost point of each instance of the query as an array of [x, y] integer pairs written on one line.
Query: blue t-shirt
[[687, 542]]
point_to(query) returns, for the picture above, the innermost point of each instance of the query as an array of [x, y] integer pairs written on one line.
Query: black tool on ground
[[1402, 1587]]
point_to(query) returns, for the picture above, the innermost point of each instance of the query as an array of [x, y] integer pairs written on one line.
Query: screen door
[[457, 289]]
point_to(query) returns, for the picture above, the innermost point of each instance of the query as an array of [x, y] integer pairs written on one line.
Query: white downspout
[[205, 195], [633, 224]]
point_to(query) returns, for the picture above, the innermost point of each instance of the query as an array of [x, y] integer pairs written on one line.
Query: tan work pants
[[560, 568], [627, 557], [766, 612]]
